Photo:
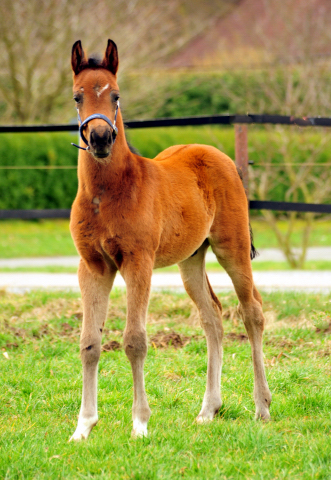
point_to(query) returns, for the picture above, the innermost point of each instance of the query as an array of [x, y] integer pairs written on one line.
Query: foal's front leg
[[137, 275], [95, 294]]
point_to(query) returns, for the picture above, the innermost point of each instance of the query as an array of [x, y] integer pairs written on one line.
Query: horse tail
[[254, 252]]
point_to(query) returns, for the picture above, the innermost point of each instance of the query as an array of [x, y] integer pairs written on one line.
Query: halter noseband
[[93, 117]]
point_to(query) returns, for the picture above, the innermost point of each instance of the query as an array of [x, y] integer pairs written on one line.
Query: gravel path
[[299, 280], [267, 254], [309, 281]]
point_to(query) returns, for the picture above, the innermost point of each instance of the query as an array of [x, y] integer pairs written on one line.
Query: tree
[[303, 174], [36, 38]]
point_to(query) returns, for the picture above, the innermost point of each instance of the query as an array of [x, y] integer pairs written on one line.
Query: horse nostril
[[92, 138], [100, 137]]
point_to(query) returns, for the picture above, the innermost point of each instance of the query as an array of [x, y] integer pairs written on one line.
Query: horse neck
[[92, 174]]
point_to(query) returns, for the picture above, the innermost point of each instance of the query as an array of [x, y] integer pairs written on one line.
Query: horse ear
[[77, 57], [110, 60]]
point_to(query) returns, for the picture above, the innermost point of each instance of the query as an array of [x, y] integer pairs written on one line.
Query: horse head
[[96, 94]]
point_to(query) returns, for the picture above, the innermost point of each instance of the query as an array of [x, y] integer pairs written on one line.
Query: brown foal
[[135, 214]]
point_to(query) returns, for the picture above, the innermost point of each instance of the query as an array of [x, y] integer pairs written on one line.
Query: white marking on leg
[[84, 428], [201, 420], [139, 429]]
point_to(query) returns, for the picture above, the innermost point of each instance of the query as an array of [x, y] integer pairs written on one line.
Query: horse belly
[[182, 236]]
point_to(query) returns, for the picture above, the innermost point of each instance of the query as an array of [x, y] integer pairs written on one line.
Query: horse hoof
[[139, 429], [263, 417], [83, 429], [201, 419]]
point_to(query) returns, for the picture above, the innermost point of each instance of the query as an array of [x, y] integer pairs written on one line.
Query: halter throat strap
[[93, 117]]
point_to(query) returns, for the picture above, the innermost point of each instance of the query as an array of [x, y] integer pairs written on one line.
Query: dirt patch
[[11, 345], [66, 328], [231, 314], [56, 308], [326, 330], [237, 337], [169, 339], [17, 332], [111, 346], [324, 353], [283, 342]]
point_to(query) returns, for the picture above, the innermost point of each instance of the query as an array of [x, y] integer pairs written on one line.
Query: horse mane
[[131, 147], [94, 61]]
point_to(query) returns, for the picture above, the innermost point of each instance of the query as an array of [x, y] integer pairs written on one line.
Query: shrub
[[267, 148], [29, 189]]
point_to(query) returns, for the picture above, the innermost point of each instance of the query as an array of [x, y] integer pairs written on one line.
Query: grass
[[210, 267], [21, 238], [52, 237], [41, 383]]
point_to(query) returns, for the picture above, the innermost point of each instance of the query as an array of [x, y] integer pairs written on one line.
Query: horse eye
[[77, 98]]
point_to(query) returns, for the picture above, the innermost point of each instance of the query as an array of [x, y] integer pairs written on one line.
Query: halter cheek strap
[[93, 117]]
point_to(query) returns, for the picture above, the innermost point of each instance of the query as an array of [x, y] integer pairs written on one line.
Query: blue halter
[[93, 117]]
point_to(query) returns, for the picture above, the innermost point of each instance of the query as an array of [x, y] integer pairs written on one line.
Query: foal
[[134, 214]]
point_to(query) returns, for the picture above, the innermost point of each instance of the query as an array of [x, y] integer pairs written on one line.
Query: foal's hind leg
[[236, 261], [197, 286], [95, 293]]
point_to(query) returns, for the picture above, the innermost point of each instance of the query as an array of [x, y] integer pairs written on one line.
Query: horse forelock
[[94, 61]]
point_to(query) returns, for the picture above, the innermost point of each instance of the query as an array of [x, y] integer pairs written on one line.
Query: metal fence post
[[241, 153]]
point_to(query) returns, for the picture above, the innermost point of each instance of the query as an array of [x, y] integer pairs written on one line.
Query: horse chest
[[104, 235]]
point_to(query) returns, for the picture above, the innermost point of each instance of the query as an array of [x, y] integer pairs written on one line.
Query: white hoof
[[83, 429], [208, 411], [139, 429], [203, 419]]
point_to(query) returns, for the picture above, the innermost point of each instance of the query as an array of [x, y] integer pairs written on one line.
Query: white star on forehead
[[99, 91]]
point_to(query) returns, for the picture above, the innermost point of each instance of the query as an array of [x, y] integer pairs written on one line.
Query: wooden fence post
[[241, 153]]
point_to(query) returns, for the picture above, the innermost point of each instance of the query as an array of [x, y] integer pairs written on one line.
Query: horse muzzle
[[101, 141], [101, 138]]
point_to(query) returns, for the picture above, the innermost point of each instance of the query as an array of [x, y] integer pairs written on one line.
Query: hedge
[[57, 188], [280, 90], [37, 188]]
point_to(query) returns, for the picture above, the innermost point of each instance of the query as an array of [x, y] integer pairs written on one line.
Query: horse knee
[[90, 352], [135, 345], [211, 321], [252, 315]]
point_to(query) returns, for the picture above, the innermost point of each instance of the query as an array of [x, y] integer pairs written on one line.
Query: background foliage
[[33, 188], [193, 57], [278, 155]]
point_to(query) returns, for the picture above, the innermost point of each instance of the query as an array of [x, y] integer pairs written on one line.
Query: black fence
[[184, 121]]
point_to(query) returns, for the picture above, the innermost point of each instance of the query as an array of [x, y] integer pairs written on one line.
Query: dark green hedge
[[57, 188], [37, 188]]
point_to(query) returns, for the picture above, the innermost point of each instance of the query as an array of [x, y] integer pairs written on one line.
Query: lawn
[[52, 238], [41, 388]]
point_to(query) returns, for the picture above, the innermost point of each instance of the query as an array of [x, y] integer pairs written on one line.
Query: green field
[[21, 238], [41, 388]]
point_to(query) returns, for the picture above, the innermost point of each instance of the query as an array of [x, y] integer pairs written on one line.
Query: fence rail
[[240, 122], [186, 121], [253, 205]]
